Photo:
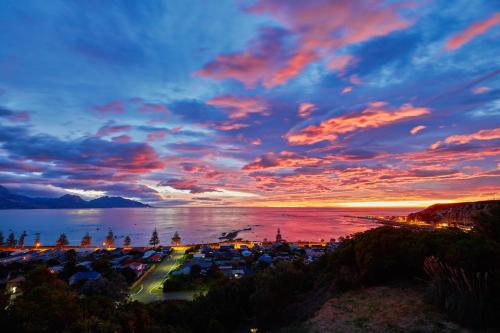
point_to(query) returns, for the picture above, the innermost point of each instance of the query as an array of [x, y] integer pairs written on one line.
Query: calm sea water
[[193, 224]]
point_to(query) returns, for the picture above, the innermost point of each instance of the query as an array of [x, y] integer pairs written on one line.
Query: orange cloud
[[285, 159], [256, 142], [292, 68], [476, 29], [482, 135], [373, 116], [315, 34], [305, 109], [239, 107], [417, 129]]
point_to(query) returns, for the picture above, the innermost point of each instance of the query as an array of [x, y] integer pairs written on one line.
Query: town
[[147, 274]]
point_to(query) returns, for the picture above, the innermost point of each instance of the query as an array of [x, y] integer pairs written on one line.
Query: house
[[266, 259], [225, 247], [56, 269], [246, 253], [314, 253], [84, 276], [137, 267], [86, 265], [237, 273], [119, 260], [155, 257], [148, 254], [227, 270], [198, 255]]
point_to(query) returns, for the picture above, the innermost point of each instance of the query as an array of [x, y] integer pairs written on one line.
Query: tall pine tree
[[155, 240], [62, 240]]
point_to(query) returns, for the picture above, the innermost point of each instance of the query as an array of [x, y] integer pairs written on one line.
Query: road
[[150, 290]]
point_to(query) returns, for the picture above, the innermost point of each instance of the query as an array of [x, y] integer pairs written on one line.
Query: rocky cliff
[[455, 213]]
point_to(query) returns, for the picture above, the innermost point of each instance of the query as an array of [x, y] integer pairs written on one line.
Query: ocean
[[194, 224]]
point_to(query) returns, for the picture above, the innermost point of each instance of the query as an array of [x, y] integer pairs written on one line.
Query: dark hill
[[454, 213], [10, 200]]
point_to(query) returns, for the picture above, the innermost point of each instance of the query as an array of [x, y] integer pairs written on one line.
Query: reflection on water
[[193, 224]]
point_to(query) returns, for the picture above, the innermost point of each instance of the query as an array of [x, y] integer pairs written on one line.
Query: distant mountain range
[[10, 200], [454, 213]]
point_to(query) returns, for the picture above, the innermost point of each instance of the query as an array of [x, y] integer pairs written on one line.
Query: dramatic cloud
[[476, 29], [125, 157], [277, 112], [239, 107], [186, 185], [482, 135], [285, 159], [375, 115], [110, 129], [278, 55]]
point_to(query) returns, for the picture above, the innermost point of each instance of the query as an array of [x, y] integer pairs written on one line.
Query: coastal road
[[150, 289]]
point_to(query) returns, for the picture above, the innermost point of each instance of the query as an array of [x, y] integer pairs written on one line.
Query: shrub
[[465, 297]]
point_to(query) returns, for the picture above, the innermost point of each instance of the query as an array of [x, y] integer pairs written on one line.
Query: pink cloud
[[17, 117], [417, 129], [474, 30], [121, 139], [239, 107], [482, 135], [293, 67], [112, 107], [346, 90], [157, 135], [340, 63], [306, 109], [256, 142], [152, 107], [480, 90], [263, 57], [112, 129], [284, 159], [229, 126], [375, 115], [354, 79], [316, 27]]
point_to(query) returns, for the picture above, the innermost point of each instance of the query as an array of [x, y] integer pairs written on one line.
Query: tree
[[176, 240], [11, 240], [127, 241], [1, 239], [154, 241], [37, 242], [110, 238], [86, 240], [62, 240], [22, 238], [487, 223]]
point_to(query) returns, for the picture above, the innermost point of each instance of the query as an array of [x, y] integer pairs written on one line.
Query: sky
[[252, 103]]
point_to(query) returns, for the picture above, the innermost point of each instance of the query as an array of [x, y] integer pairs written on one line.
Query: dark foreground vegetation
[[459, 270]]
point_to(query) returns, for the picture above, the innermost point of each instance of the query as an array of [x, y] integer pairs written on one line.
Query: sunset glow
[[271, 103]]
